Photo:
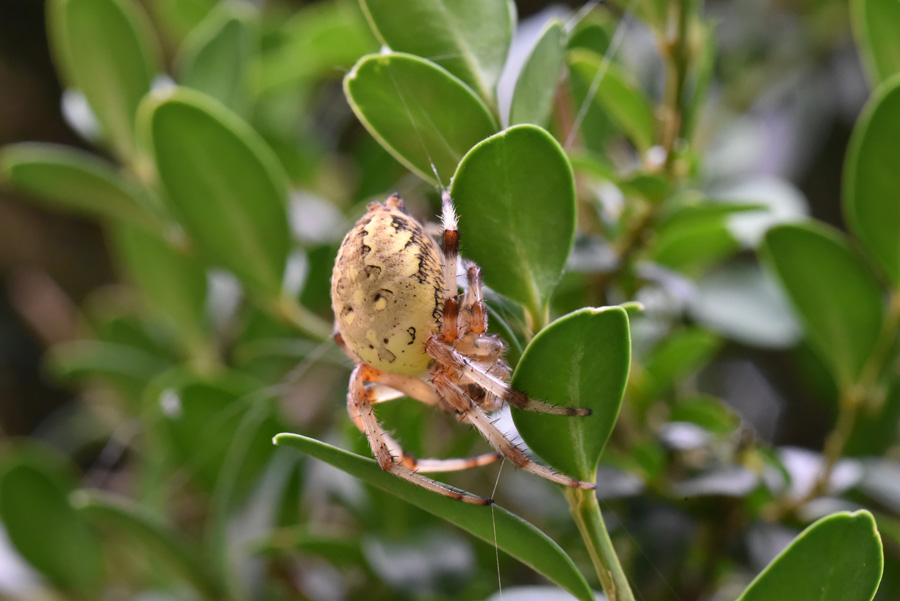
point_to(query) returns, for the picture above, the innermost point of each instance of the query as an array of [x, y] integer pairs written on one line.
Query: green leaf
[[875, 25], [594, 31], [696, 237], [703, 38], [178, 18], [78, 181], [158, 540], [172, 281], [532, 99], [424, 116], [217, 56], [105, 49], [516, 198], [616, 95], [836, 295], [330, 38], [340, 550], [580, 360], [45, 529], [710, 413], [514, 536], [202, 418], [94, 358], [872, 180], [838, 558], [652, 12], [469, 38], [225, 185], [678, 355], [745, 303]]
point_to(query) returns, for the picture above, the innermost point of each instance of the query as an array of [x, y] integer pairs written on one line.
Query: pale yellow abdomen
[[387, 291]]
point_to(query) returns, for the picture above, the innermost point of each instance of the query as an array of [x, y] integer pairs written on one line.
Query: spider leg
[[450, 239], [474, 300], [380, 393], [472, 413], [389, 453], [472, 372], [485, 348]]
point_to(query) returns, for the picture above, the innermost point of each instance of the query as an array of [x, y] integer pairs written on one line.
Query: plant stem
[[289, 310], [851, 399], [854, 397], [586, 512], [629, 244], [675, 52], [536, 319]]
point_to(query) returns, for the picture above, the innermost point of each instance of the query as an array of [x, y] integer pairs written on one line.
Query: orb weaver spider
[[400, 317]]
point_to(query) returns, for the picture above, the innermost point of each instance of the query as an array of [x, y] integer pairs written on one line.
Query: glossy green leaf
[[677, 356], [94, 358], [77, 181], [177, 18], [532, 99], [105, 49], [172, 281], [338, 549], [516, 198], [424, 116], [872, 180], [705, 41], [202, 419], [745, 303], [514, 536], [319, 40], [838, 558], [875, 25], [594, 31], [693, 251], [158, 540], [652, 12], [217, 57], [616, 95], [836, 295], [469, 38], [580, 360], [696, 237], [710, 413], [46, 530], [224, 183]]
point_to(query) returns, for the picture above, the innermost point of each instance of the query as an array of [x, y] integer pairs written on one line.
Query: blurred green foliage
[[616, 181]]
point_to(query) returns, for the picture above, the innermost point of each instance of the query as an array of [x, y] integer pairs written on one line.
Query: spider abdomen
[[387, 290]]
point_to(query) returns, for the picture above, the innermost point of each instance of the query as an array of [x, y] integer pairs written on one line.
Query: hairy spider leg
[[450, 242], [473, 303], [384, 447], [472, 413], [386, 389], [446, 355], [486, 348]]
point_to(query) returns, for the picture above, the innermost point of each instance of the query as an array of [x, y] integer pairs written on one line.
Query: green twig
[[851, 400], [586, 512], [292, 312], [536, 319], [674, 49]]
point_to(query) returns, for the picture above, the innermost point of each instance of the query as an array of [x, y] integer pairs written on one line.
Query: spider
[[400, 317]]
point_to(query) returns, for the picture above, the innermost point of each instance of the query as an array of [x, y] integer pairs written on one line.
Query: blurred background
[[787, 88]]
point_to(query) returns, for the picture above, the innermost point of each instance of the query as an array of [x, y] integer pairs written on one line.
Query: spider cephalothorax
[[400, 316]]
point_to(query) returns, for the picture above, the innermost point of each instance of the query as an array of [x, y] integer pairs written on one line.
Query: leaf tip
[[635, 307]]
